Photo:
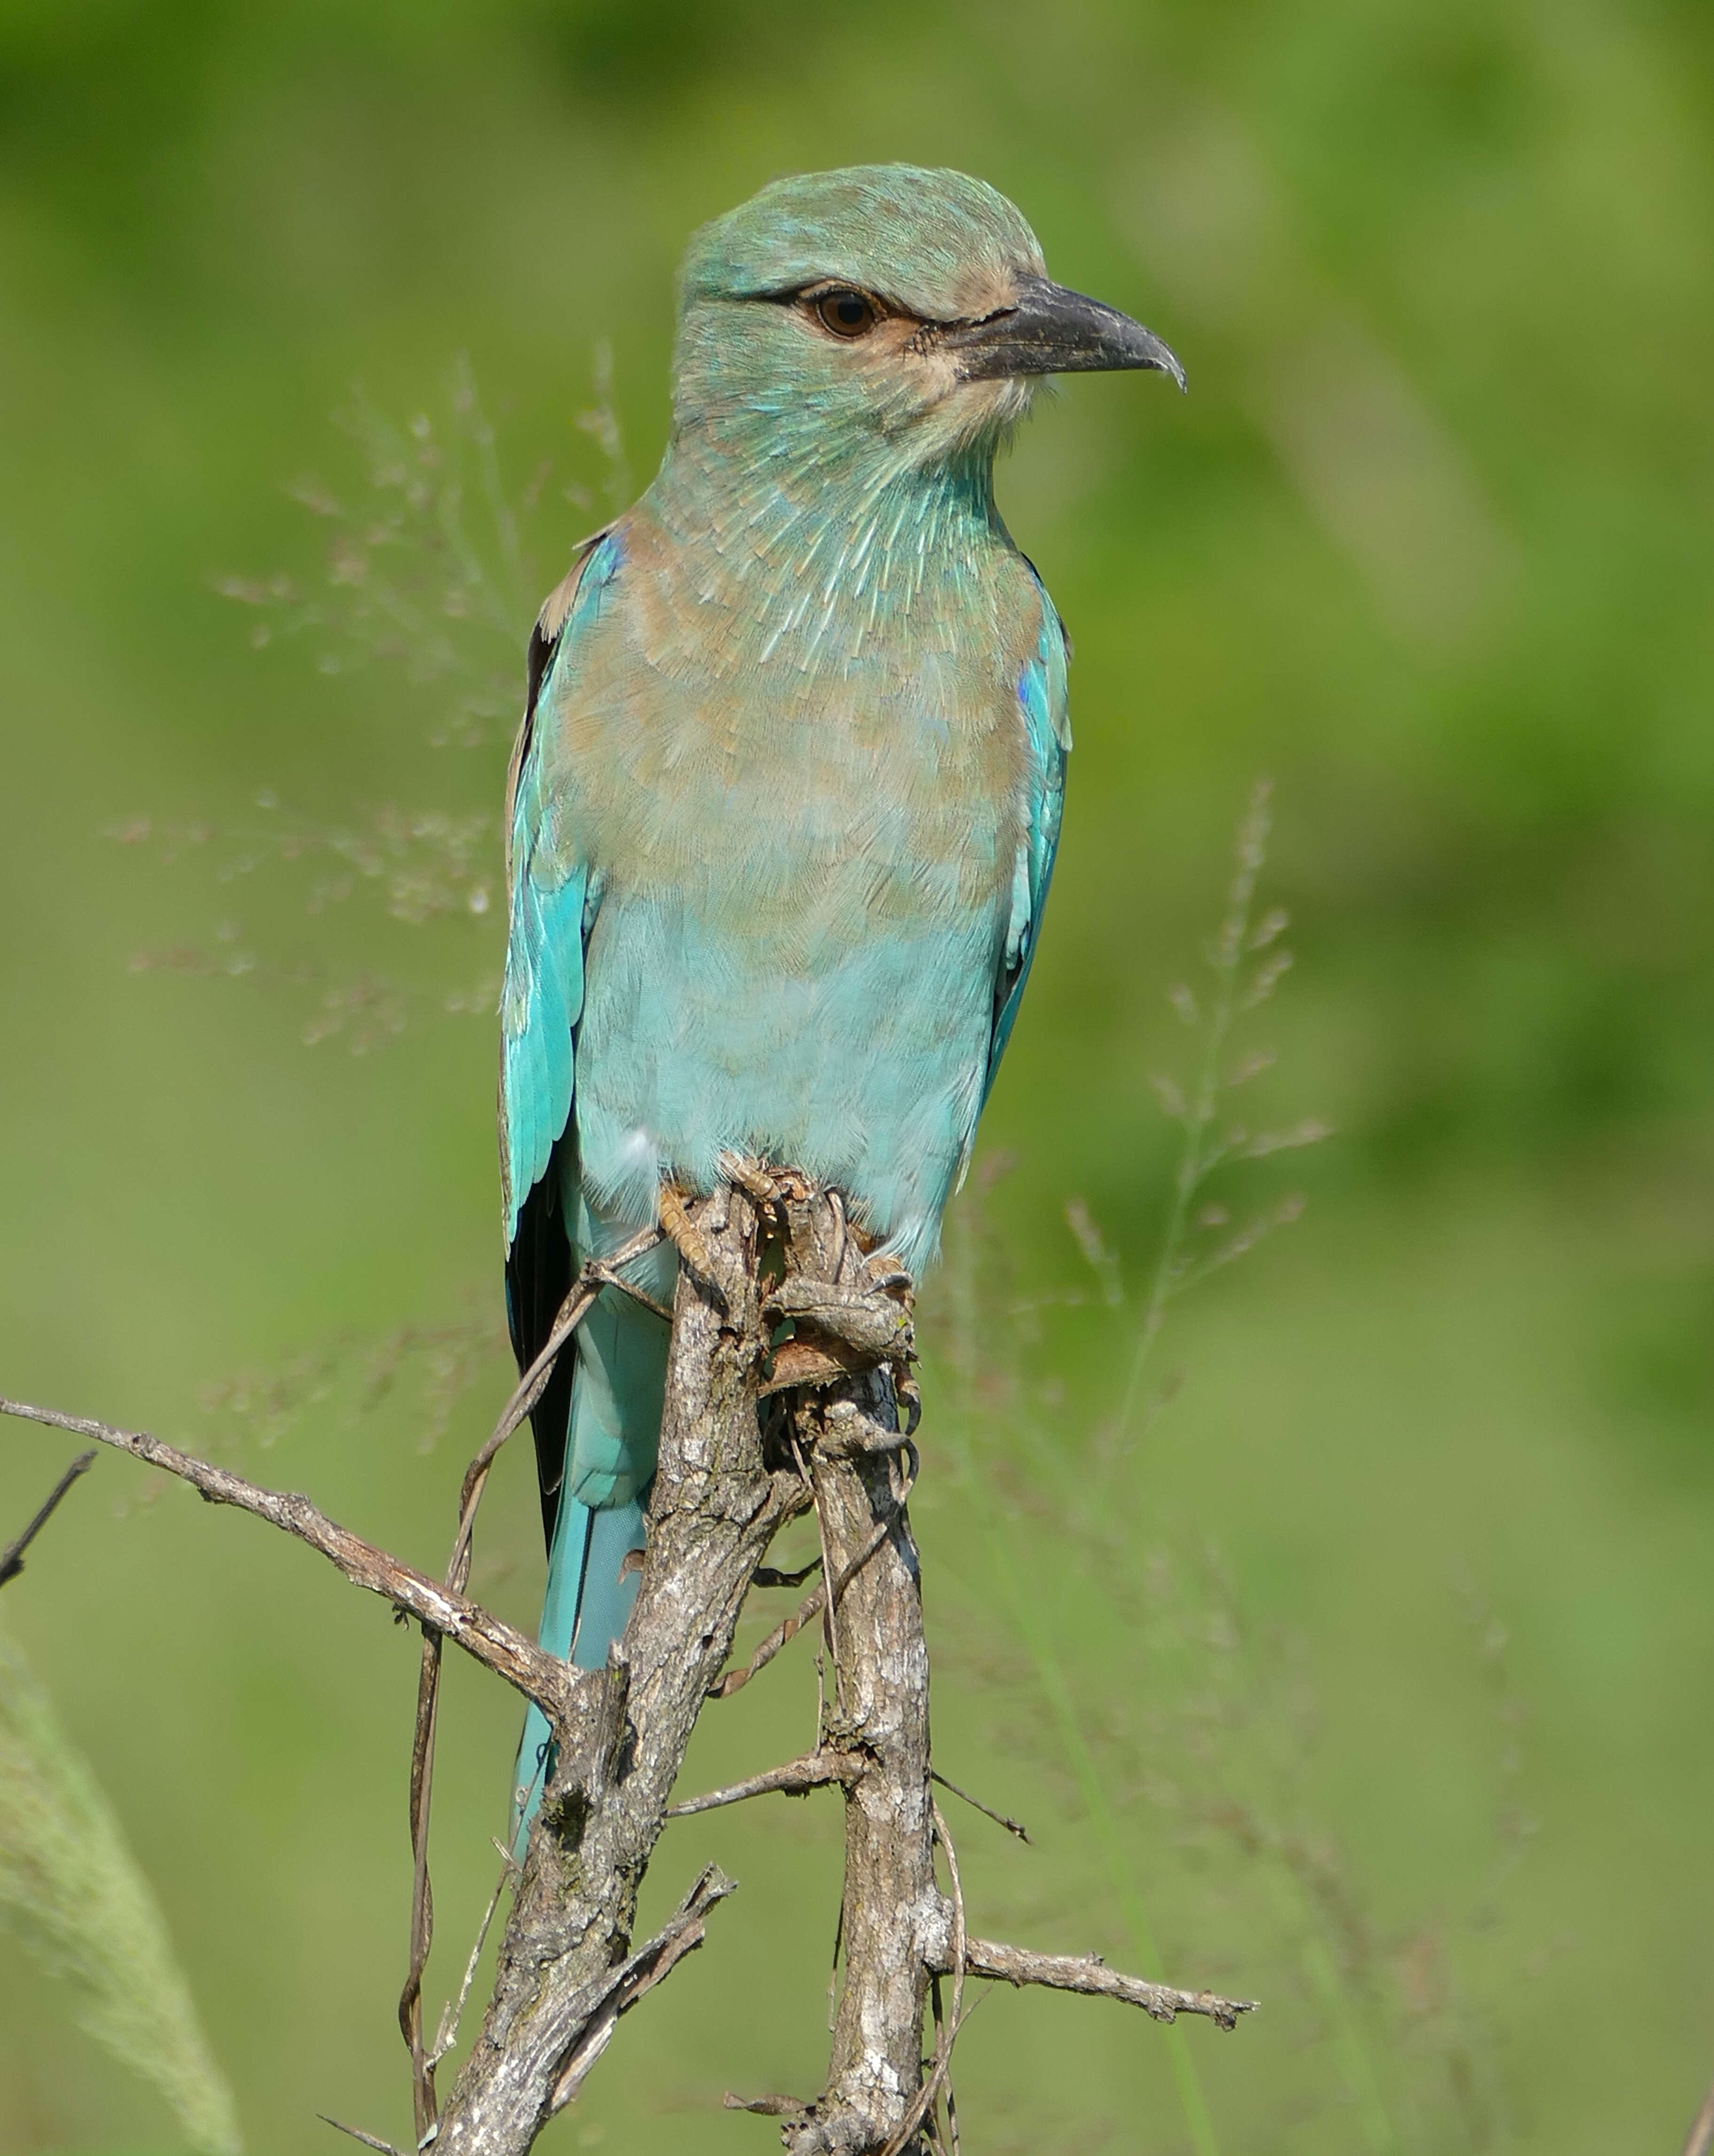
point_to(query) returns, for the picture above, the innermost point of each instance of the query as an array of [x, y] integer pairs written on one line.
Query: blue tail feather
[[611, 1443], [589, 1598]]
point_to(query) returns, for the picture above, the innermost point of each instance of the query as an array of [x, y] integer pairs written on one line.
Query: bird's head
[[883, 314]]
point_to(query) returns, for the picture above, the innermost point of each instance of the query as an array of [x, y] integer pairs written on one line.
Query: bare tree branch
[[12, 1557], [815, 1770], [550, 1682], [848, 1432], [1088, 1974], [739, 1456]]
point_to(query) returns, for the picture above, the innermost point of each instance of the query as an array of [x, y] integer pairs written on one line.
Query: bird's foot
[[765, 1184], [839, 1328], [691, 1244]]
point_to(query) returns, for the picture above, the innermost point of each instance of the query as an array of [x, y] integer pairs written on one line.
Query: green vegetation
[[70, 1891], [1362, 1662]]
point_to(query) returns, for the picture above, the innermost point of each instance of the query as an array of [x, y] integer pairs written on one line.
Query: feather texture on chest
[[706, 713]]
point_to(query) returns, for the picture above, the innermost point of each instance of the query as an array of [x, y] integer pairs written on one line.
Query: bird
[[783, 810]]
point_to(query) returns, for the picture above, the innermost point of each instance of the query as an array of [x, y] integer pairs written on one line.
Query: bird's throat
[[809, 560]]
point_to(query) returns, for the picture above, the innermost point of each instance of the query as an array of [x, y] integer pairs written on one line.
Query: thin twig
[[484, 1637], [682, 1934], [410, 2000], [815, 1770], [605, 1270], [357, 2133], [828, 1602], [953, 2103], [932, 2124], [1089, 1973], [447, 2033], [810, 1607], [787, 1628], [1702, 2138], [1012, 1826], [962, 2023], [596, 1274], [11, 1557]]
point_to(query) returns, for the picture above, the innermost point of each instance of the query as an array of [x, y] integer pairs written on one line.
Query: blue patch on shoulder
[[553, 902]]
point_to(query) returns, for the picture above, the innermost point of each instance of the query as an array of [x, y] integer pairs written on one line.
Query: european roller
[[783, 814]]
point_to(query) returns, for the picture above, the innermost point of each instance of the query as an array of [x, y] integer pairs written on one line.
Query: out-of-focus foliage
[[1369, 1678], [70, 1890]]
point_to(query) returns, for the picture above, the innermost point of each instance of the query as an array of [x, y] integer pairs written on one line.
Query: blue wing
[[553, 900], [1041, 693]]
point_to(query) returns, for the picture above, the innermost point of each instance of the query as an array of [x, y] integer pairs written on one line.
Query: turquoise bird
[[784, 811]]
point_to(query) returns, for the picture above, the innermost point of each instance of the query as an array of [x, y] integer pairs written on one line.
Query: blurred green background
[[1389, 1649]]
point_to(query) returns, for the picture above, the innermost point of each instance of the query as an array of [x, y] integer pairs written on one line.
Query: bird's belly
[[838, 1022]]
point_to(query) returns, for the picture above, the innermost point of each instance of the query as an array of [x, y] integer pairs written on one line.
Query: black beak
[[1052, 330]]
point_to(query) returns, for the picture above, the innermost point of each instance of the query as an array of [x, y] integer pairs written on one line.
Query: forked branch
[[755, 1429]]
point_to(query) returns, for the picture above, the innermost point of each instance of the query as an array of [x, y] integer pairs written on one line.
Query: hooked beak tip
[[1169, 363]]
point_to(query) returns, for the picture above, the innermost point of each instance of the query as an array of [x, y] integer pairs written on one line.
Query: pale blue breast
[[858, 1059]]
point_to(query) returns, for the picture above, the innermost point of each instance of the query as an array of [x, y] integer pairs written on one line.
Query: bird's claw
[[767, 1184], [750, 1176], [691, 1244]]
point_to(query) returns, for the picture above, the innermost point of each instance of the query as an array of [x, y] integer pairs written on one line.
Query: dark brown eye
[[846, 313]]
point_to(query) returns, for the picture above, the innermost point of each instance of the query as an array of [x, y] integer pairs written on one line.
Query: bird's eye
[[845, 313]]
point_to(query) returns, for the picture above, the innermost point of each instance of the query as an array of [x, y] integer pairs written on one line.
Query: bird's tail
[[592, 1566]]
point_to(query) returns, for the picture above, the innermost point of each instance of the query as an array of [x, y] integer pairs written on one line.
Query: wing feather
[[552, 899], [549, 888], [1042, 695]]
